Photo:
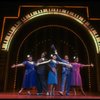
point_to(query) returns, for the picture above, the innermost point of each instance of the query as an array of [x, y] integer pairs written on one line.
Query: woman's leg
[[20, 90], [28, 92], [50, 86], [53, 91], [82, 91], [74, 91]]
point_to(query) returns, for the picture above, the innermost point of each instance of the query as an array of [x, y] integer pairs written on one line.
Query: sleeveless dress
[[52, 75]]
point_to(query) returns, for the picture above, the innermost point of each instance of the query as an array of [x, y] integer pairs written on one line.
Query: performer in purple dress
[[76, 80], [30, 76]]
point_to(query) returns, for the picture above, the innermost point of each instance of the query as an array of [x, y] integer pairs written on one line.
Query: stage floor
[[14, 95]]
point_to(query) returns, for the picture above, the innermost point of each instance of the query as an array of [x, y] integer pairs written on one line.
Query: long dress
[[76, 79], [52, 75], [29, 79]]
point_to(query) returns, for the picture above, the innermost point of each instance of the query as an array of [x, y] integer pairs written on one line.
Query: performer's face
[[76, 60], [66, 57], [43, 54], [54, 57], [30, 58]]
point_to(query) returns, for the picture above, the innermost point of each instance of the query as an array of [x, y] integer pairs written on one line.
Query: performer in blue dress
[[52, 76], [30, 76]]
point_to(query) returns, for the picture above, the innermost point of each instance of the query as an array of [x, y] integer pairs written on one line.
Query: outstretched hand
[[37, 64], [13, 66], [92, 65]]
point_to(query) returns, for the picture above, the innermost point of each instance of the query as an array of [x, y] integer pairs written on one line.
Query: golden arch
[[56, 11]]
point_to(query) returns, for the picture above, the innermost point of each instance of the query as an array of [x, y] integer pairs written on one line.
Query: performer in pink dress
[[76, 80]]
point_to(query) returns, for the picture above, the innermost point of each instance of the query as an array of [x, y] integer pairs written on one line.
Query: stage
[[57, 96], [31, 28]]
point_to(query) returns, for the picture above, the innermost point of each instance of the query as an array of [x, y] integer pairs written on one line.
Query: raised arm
[[58, 57], [53, 47], [44, 62], [17, 65]]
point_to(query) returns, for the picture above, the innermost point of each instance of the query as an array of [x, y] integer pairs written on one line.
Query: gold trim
[[15, 17]]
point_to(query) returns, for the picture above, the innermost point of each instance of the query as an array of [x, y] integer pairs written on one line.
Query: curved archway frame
[[56, 10]]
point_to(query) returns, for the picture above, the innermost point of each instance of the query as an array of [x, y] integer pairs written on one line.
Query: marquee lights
[[94, 34]]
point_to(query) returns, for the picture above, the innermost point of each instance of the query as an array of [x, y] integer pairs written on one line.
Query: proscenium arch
[[49, 11], [58, 26]]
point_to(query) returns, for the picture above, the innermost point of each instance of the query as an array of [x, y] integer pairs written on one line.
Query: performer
[[66, 77], [76, 80], [52, 76], [42, 75], [66, 74], [30, 76]]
